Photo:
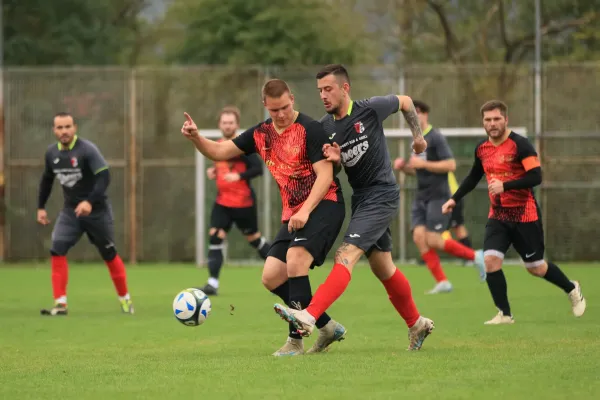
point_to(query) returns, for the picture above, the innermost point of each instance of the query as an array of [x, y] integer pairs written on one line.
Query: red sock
[[432, 260], [60, 276], [337, 281], [118, 275], [459, 250], [398, 289]]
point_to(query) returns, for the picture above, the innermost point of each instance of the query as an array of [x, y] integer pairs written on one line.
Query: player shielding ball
[[235, 202], [512, 168], [432, 169], [83, 174], [290, 143], [359, 144]]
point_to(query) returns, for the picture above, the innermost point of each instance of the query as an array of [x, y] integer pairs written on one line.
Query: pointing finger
[[189, 119]]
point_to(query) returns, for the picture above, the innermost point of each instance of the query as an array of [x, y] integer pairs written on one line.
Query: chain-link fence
[[134, 116]]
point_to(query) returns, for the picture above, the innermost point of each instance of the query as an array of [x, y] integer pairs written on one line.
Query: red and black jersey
[[289, 156], [515, 163], [238, 194]]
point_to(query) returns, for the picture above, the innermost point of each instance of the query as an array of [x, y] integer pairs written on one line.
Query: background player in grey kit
[[432, 169], [356, 130], [83, 174]]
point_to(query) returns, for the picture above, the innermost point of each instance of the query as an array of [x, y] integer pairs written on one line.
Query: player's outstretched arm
[[412, 120], [216, 151]]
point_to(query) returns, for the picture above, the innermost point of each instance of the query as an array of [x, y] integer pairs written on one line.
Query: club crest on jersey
[[74, 162], [359, 127]]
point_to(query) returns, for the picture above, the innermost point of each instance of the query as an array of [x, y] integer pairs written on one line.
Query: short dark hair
[[337, 70], [62, 114], [421, 106], [275, 88], [230, 110], [493, 105]]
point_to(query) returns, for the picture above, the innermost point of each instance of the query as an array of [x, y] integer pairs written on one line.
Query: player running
[[235, 202], [512, 169], [356, 130], [428, 223], [290, 143], [83, 174]]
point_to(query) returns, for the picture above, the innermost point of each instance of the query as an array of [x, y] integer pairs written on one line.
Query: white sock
[[214, 282], [126, 297], [61, 299]]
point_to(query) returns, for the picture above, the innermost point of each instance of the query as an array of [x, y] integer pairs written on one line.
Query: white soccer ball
[[191, 307]]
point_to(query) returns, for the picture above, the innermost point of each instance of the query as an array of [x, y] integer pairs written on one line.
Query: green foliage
[[263, 32]]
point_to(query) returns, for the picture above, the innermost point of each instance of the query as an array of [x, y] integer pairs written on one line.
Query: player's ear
[[346, 87], [292, 98]]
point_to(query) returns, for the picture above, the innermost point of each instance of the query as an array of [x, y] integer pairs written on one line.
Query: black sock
[[215, 262], [262, 246], [283, 291], [466, 241], [496, 282], [556, 276], [301, 295]]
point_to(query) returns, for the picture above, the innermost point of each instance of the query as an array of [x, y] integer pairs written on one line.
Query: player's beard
[[496, 133], [228, 134]]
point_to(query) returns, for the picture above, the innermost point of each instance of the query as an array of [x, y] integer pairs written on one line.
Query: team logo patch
[[74, 162], [359, 127]]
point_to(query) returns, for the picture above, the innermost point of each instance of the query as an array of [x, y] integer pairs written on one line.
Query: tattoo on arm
[[412, 119], [339, 254]]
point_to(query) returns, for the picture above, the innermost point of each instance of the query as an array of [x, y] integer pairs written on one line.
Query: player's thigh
[[528, 241], [437, 221], [457, 217], [370, 222], [382, 265], [66, 232], [280, 244], [99, 226], [246, 219], [418, 214], [221, 218], [321, 231], [497, 238]]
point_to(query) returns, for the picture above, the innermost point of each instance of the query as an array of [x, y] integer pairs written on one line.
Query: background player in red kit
[[235, 202], [290, 143], [512, 169]]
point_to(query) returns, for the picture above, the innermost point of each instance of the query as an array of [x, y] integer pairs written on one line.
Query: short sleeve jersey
[[507, 162], [432, 185], [75, 168], [360, 135], [289, 156]]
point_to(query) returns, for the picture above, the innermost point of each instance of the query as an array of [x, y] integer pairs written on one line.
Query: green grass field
[[98, 353]]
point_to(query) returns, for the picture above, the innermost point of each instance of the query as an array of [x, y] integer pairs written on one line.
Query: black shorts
[[246, 219], [527, 238], [317, 236], [98, 226], [429, 214], [372, 215], [457, 218]]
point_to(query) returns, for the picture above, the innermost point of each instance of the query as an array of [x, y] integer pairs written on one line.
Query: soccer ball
[[191, 307]]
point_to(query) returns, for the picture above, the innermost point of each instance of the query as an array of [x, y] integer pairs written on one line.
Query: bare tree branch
[[451, 41]]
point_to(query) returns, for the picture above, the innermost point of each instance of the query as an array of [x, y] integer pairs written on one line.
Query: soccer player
[[83, 174], [356, 130], [512, 169], [428, 223], [290, 143], [235, 203]]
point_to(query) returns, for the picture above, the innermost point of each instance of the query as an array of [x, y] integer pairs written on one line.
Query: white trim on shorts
[[494, 253]]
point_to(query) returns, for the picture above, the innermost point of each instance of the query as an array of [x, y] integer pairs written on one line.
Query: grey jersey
[[432, 185], [75, 168], [364, 151]]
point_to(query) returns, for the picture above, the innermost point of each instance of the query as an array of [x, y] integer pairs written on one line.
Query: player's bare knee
[[299, 261], [348, 255], [382, 265], [221, 234], [212, 231], [538, 268], [252, 237], [493, 263], [274, 273], [420, 238], [460, 232], [435, 240]]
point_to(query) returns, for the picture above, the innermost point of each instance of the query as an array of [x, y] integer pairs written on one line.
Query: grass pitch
[[98, 353]]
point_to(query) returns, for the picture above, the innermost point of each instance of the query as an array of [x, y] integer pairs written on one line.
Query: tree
[[263, 32], [78, 32]]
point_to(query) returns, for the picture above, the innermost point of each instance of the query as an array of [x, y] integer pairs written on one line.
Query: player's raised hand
[[189, 128], [496, 187], [42, 217], [399, 163], [298, 221], [332, 152], [448, 206], [211, 173], [419, 145]]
